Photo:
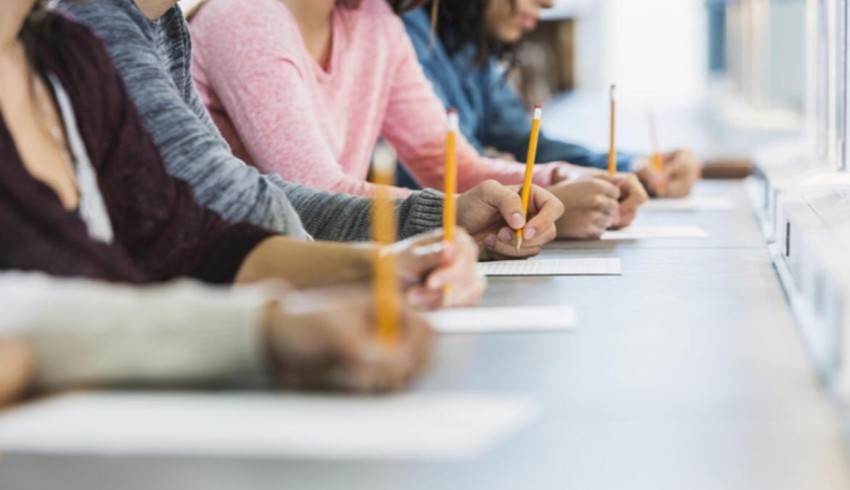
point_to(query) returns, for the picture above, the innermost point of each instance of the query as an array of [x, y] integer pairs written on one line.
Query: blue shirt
[[491, 112]]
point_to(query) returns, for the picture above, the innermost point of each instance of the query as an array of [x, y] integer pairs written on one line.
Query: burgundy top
[[161, 232]]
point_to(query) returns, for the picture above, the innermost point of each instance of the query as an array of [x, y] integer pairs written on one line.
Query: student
[[465, 63], [84, 193], [304, 88], [65, 333], [150, 44]]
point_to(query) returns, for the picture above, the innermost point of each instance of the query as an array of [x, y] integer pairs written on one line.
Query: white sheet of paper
[[405, 427], [552, 267], [708, 203], [652, 232], [504, 319]]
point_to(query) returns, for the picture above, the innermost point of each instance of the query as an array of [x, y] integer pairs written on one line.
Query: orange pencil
[[612, 149], [529, 168], [450, 206], [385, 283]]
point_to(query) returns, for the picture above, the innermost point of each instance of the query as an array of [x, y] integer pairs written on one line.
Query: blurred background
[[724, 76]]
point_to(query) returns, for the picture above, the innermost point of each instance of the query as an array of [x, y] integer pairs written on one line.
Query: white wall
[[651, 48]]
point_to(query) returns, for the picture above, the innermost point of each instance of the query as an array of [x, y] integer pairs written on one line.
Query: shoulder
[[105, 17], [243, 24]]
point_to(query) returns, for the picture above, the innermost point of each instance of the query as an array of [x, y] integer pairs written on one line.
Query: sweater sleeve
[[87, 333], [416, 125], [506, 128], [155, 216], [283, 133], [190, 149]]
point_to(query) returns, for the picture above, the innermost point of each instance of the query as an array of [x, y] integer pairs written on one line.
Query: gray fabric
[[154, 58], [92, 207], [93, 333]]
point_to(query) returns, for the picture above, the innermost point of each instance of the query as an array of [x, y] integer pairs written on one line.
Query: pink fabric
[[284, 113]]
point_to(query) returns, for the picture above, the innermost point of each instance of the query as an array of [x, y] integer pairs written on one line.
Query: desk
[[697, 382]]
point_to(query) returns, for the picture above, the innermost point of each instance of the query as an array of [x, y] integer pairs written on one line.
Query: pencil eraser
[[613, 90], [453, 121], [538, 111], [385, 159]]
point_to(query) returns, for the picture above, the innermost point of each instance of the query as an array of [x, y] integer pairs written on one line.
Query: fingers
[[458, 270], [543, 211], [681, 171], [16, 369], [507, 201], [420, 255], [377, 368]]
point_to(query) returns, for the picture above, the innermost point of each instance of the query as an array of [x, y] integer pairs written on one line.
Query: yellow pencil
[[529, 168], [612, 149], [449, 206], [385, 284]]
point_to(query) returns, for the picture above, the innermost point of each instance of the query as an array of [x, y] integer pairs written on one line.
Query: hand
[[591, 207], [16, 370], [492, 213], [632, 196], [426, 263], [326, 341], [569, 172], [681, 171]]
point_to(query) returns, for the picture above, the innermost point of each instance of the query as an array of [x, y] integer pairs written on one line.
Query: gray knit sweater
[[154, 58]]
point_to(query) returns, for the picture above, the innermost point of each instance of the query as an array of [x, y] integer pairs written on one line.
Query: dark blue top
[[491, 112]]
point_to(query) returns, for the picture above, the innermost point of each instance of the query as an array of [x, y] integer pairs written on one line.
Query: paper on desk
[[651, 232], [552, 267], [415, 426], [708, 203], [504, 319]]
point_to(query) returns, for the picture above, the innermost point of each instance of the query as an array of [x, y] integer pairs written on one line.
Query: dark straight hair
[[463, 22], [398, 6]]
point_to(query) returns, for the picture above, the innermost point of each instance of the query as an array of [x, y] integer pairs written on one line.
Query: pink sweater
[[284, 113]]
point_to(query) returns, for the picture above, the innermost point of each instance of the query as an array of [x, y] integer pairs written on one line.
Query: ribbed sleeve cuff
[[421, 212]]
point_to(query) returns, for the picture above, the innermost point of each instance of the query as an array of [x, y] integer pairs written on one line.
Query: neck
[[12, 17], [311, 14], [154, 9]]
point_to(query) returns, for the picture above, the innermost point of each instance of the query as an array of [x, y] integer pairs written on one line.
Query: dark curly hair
[[461, 22]]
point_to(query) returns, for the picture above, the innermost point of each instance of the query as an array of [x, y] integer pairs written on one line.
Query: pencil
[[657, 160], [612, 149], [385, 283], [450, 206], [529, 168]]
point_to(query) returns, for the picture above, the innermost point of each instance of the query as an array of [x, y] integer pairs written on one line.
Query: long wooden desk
[[686, 373]]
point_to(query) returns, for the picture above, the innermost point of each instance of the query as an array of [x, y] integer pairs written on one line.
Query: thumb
[[506, 201]]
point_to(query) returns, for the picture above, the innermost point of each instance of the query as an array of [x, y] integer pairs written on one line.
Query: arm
[[90, 333], [508, 126], [156, 218], [415, 125], [192, 151], [283, 134]]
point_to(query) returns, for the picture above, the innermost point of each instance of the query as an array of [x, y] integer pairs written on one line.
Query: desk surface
[[697, 381]]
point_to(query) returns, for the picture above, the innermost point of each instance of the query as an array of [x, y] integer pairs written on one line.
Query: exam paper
[[708, 203], [414, 426], [504, 319], [651, 232], [552, 267]]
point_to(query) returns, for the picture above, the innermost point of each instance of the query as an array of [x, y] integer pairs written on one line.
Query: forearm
[[344, 218], [307, 264], [84, 333]]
